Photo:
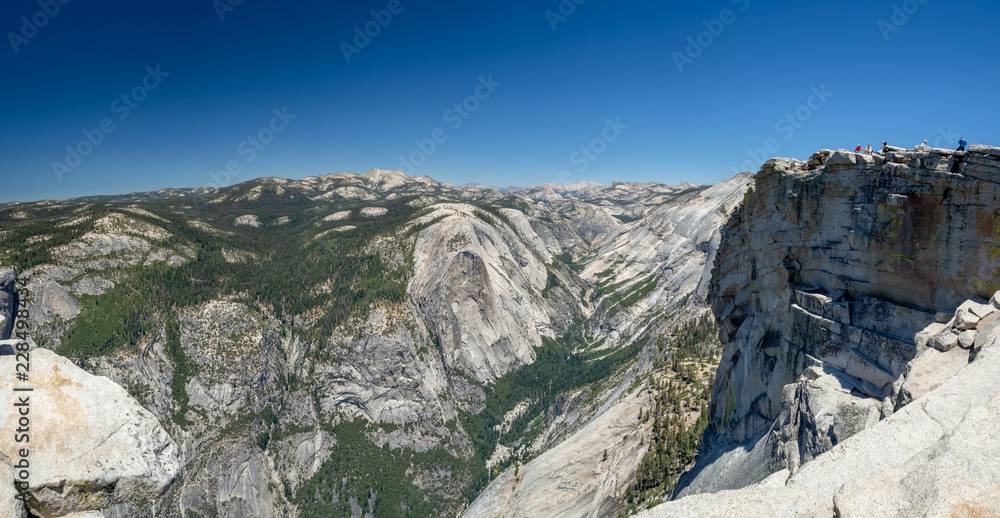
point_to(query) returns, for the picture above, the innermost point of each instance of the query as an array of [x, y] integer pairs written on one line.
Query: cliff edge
[[853, 295], [73, 442]]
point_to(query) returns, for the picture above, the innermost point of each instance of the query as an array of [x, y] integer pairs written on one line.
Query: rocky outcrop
[[832, 268], [935, 457], [841, 287], [479, 287], [769, 498], [91, 445]]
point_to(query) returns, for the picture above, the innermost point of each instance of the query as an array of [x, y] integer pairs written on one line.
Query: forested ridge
[[313, 274]]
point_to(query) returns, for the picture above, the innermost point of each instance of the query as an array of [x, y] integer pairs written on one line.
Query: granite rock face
[[842, 265], [9, 503], [936, 457], [576, 477], [669, 250], [769, 498], [251, 393], [91, 445], [856, 299], [479, 287]]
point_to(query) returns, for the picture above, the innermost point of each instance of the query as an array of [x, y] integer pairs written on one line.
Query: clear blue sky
[[934, 78]]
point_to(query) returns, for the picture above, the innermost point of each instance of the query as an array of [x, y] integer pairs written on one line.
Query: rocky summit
[[818, 339], [856, 296]]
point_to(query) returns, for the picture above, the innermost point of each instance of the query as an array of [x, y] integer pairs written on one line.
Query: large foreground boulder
[[91, 445]]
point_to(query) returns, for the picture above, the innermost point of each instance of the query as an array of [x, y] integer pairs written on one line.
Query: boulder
[[9, 505], [91, 445], [967, 338], [923, 338], [929, 370], [985, 329], [995, 300], [970, 313], [944, 340]]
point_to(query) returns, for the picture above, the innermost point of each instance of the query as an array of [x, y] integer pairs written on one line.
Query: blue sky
[[621, 80]]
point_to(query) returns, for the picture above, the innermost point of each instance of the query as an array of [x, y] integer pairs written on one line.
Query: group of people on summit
[[920, 147]]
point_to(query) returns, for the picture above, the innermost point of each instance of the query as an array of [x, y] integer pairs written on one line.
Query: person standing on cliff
[[868, 150], [857, 149], [961, 144]]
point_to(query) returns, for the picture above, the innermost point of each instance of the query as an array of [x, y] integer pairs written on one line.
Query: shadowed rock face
[[6, 302], [833, 277], [935, 457]]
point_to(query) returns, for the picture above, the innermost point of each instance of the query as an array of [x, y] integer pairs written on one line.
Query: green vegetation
[[551, 281], [690, 339], [564, 257], [492, 216], [627, 298], [625, 218], [458, 242], [41, 221], [557, 369], [379, 478], [567, 259], [606, 273], [184, 369], [121, 316], [287, 265], [681, 388]]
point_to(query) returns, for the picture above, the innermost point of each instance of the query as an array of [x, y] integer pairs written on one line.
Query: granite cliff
[[856, 297], [373, 344]]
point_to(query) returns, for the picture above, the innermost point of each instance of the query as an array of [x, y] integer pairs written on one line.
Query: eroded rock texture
[[91, 445], [849, 287]]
